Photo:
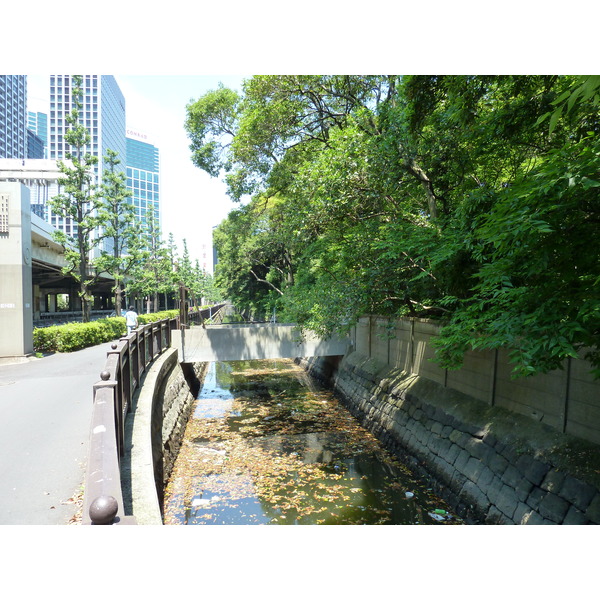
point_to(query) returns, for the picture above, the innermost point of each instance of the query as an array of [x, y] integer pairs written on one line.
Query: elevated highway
[[31, 276]]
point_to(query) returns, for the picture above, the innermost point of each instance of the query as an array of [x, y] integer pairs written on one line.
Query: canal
[[266, 444]]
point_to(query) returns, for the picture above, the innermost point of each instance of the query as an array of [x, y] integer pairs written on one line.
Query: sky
[[163, 60], [192, 202]]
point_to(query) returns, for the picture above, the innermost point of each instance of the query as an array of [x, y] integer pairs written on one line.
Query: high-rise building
[[35, 145], [37, 123], [102, 112], [143, 176], [13, 116]]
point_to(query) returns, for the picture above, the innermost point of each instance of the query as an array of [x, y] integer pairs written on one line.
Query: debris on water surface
[[200, 502], [290, 457], [436, 517]]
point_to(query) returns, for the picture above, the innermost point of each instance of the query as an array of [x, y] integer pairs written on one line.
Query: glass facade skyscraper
[[13, 116], [143, 177], [35, 145], [37, 123], [102, 113]]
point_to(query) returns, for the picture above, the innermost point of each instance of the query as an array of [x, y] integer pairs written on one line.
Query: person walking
[[131, 320]]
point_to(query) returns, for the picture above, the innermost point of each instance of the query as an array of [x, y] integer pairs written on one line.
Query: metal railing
[[125, 364], [212, 314]]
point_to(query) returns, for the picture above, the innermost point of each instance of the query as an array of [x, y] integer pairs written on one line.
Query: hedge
[[76, 336]]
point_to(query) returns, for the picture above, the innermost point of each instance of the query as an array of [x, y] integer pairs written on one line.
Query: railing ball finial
[[105, 375], [103, 510], [114, 345]]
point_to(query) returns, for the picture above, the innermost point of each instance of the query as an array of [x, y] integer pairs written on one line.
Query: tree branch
[[265, 281], [418, 172]]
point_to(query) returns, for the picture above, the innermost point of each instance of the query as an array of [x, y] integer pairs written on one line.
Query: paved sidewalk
[[45, 413]]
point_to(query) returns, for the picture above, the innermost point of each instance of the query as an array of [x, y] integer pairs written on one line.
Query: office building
[[143, 176], [13, 116], [102, 112], [37, 123], [35, 145]]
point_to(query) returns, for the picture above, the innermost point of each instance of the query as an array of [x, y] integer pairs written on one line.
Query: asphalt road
[[45, 413]]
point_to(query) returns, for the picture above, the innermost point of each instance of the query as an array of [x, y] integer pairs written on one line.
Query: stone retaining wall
[[154, 431], [171, 409], [493, 466]]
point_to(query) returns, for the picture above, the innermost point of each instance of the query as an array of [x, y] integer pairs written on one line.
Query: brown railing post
[[183, 308], [153, 345]]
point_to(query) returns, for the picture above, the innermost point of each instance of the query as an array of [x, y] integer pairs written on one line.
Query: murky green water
[[266, 445]]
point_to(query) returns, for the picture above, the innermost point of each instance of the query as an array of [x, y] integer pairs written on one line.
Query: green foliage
[[153, 265], [79, 200], [209, 121], [536, 289], [76, 336], [120, 227], [255, 257], [445, 197], [144, 319]]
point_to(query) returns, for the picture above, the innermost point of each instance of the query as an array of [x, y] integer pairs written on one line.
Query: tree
[[79, 202], [256, 256], [120, 227], [537, 287], [153, 271], [446, 197]]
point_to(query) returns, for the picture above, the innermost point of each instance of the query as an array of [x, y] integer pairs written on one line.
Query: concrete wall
[[251, 342], [492, 465], [16, 302], [567, 400]]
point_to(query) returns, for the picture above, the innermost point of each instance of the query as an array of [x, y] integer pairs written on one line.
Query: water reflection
[[267, 446]]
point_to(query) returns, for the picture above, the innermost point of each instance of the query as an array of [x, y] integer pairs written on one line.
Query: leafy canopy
[[468, 199]]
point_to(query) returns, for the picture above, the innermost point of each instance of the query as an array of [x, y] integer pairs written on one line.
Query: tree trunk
[[118, 299], [83, 289], [418, 172]]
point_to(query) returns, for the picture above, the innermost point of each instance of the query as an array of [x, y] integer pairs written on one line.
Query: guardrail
[[125, 364]]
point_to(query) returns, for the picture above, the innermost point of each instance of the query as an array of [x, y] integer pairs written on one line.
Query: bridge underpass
[[252, 342], [31, 272]]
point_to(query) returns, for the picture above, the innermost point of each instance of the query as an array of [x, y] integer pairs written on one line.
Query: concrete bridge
[[251, 342]]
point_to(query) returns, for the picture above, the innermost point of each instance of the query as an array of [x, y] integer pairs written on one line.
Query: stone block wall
[[492, 465], [154, 432], [171, 409]]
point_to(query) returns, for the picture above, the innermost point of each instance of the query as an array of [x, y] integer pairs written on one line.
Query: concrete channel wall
[[154, 431], [492, 465], [567, 399]]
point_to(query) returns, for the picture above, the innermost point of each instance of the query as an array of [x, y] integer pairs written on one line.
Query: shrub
[[144, 319], [76, 336]]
